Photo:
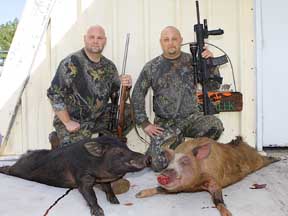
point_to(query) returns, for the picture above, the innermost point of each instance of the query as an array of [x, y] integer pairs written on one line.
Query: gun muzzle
[[216, 32]]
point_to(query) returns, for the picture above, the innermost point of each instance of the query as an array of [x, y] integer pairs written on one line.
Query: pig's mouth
[[168, 179], [135, 164]]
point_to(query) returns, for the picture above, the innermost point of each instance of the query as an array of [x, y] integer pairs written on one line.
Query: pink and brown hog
[[203, 164]]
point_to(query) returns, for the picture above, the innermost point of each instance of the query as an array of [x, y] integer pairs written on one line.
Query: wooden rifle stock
[[121, 112]]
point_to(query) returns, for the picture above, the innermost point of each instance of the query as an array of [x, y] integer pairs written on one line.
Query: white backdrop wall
[[144, 20], [271, 73]]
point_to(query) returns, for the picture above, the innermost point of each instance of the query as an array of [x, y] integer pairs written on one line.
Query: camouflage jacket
[[174, 91], [83, 87]]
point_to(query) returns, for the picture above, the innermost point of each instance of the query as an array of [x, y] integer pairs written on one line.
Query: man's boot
[[54, 140], [120, 186]]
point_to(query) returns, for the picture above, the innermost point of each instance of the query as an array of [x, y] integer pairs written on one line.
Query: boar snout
[[145, 161], [167, 177], [163, 180], [148, 160], [138, 163]]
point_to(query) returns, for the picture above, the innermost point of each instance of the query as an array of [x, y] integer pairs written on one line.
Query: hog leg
[[219, 203], [151, 192], [85, 187], [109, 193], [216, 191]]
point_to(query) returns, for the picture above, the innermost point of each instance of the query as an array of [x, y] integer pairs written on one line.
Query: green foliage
[[7, 32]]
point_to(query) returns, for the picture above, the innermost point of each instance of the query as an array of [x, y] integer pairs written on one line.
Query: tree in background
[[7, 32]]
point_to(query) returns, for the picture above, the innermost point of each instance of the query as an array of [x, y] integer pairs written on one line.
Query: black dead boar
[[101, 160]]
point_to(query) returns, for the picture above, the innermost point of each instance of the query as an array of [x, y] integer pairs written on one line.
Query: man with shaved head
[[80, 91], [177, 114]]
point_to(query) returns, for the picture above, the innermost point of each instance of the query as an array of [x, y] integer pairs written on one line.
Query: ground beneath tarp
[[19, 197]]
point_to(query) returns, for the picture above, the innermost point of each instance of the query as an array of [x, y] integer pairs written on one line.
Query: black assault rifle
[[201, 65]]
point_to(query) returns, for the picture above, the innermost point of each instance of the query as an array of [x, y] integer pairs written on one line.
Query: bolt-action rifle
[[201, 65], [117, 113]]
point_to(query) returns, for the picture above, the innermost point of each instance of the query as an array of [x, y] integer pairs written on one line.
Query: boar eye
[[184, 160]]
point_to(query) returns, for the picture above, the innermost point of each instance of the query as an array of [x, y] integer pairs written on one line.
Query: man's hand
[[153, 130], [126, 80], [207, 53], [72, 126]]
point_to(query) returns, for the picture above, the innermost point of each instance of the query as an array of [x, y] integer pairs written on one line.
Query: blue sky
[[10, 9]]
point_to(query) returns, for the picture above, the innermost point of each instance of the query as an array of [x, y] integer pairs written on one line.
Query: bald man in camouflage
[[80, 91], [177, 114]]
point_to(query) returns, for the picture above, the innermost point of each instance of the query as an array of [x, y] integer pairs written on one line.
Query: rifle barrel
[[124, 63], [197, 12], [125, 54]]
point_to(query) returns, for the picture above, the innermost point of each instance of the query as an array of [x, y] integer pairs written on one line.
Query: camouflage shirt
[[172, 82], [83, 87]]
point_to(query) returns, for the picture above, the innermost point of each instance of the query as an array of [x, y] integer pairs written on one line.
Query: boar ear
[[169, 153], [201, 152], [94, 148]]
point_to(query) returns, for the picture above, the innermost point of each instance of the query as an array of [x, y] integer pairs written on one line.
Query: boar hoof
[[97, 212], [223, 210], [148, 192], [141, 194], [113, 200]]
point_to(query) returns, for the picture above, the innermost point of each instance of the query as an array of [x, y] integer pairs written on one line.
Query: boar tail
[[269, 160], [5, 170]]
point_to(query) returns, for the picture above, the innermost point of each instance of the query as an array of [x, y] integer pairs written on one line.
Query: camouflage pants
[[196, 125], [90, 127]]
